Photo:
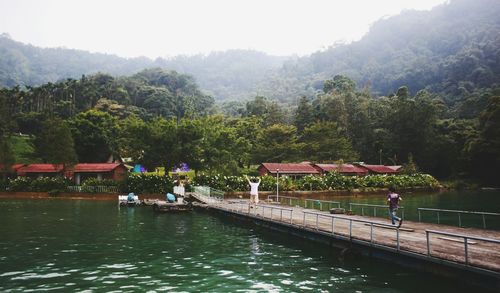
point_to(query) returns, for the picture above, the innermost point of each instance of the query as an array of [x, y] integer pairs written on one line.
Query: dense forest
[[160, 118], [420, 89]]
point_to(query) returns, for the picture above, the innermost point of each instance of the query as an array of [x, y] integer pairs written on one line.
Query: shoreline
[[73, 196], [315, 194]]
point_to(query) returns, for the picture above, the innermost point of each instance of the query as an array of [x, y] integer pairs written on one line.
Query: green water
[[93, 246]]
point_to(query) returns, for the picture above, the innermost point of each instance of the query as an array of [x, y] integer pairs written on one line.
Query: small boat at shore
[[130, 200], [162, 206]]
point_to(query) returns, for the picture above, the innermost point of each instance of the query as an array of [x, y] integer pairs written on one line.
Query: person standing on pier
[[254, 190], [393, 199]]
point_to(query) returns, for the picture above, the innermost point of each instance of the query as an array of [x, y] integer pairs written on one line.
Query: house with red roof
[[379, 169], [79, 172], [344, 169], [289, 169], [114, 171], [43, 170]]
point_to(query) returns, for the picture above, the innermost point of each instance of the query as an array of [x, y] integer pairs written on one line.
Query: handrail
[[264, 207], [465, 237], [374, 206], [351, 220], [483, 214], [306, 200]]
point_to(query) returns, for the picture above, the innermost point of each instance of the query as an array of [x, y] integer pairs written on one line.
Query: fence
[[375, 207], [93, 189], [305, 202], [208, 194], [465, 240], [351, 220], [459, 213]]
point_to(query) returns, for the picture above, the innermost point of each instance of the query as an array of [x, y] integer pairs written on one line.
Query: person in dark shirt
[[393, 200]]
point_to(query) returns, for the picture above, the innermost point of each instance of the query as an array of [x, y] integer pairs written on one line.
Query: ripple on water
[[39, 276]]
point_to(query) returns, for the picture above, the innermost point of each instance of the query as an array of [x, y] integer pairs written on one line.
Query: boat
[[128, 200], [162, 206], [149, 201]]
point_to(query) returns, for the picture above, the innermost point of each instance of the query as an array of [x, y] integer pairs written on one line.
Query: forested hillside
[[451, 50], [228, 75], [420, 89]]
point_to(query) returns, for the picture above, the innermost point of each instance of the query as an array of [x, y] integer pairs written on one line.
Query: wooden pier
[[470, 254]]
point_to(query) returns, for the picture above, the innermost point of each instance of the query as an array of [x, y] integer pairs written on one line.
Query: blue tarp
[[170, 197]]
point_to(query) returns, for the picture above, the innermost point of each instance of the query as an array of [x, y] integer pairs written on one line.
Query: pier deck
[[438, 244]]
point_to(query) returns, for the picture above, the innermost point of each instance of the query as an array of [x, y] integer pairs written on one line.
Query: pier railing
[[465, 241], [459, 213], [375, 207], [306, 202], [208, 194], [335, 218]]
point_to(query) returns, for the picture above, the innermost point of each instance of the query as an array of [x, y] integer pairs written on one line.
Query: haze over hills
[[452, 50]]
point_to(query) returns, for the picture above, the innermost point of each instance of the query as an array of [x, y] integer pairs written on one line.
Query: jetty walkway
[[469, 253]]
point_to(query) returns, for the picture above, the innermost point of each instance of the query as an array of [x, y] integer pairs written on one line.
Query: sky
[[166, 28]]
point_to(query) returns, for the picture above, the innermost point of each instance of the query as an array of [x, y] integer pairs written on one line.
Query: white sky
[[156, 28]]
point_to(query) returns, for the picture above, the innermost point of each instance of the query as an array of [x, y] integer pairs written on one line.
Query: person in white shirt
[[254, 190]]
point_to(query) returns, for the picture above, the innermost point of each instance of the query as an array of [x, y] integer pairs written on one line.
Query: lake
[[94, 246]]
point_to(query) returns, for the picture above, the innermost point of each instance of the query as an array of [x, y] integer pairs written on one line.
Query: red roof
[[343, 168], [379, 169], [94, 168], [290, 168], [41, 168]]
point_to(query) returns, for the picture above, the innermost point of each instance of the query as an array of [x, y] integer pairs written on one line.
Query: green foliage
[[103, 182], [55, 144], [142, 183], [41, 184], [332, 181]]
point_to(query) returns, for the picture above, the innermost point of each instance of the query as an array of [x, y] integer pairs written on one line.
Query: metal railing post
[[304, 221], [419, 218], [484, 221], [466, 252], [438, 216], [397, 237], [428, 243], [371, 232], [350, 229], [459, 221], [317, 222], [333, 225]]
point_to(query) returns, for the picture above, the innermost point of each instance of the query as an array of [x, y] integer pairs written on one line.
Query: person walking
[[254, 190], [393, 200]]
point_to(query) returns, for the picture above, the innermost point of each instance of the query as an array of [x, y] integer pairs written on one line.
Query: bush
[[97, 182], [143, 183], [20, 184], [50, 184], [332, 181]]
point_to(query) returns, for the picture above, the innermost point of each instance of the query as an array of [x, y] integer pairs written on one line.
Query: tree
[[95, 135], [485, 150], [277, 143], [323, 142], [6, 154], [304, 115], [55, 144]]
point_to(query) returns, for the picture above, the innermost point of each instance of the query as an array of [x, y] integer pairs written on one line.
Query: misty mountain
[[225, 75], [452, 50]]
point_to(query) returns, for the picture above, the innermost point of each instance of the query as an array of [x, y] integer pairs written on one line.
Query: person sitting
[[131, 197]]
